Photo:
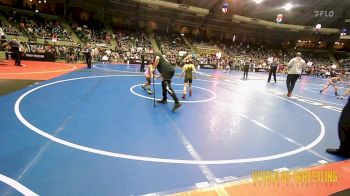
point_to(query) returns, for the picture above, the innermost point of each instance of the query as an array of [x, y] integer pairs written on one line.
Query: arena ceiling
[[302, 13]]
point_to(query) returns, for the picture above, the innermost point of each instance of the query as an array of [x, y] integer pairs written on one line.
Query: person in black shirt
[[246, 69], [142, 68], [273, 69], [167, 71], [88, 56], [343, 133]]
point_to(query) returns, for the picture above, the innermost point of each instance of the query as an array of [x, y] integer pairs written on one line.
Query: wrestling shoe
[[340, 97], [150, 92], [163, 101], [176, 106], [338, 151], [184, 96]]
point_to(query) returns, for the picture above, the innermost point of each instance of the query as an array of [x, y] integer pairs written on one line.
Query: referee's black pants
[[88, 60], [245, 73], [142, 67], [291, 80], [166, 85], [272, 72]]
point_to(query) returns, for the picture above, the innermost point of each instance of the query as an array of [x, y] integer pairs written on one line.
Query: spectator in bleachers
[[131, 44], [92, 31], [174, 47], [36, 26]]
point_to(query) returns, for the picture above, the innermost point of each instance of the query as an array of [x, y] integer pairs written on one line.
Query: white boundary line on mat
[[16, 185], [154, 159]]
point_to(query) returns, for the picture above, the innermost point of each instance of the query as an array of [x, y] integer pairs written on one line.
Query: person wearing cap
[[343, 133], [295, 67], [167, 71]]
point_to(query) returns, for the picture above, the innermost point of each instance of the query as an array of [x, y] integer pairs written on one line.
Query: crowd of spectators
[[345, 63], [72, 54], [310, 45], [235, 54], [248, 51], [92, 31], [319, 65], [173, 46], [36, 26], [200, 40], [343, 59], [9, 30], [64, 53], [133, 44]]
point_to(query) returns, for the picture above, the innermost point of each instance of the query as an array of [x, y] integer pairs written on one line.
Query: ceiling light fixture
[[288, 6], [258, 1]]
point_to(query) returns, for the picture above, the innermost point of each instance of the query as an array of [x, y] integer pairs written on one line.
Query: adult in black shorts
[[167, 71], [343, 133]]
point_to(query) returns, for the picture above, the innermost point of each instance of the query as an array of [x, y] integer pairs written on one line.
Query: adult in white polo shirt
[[295, 67]]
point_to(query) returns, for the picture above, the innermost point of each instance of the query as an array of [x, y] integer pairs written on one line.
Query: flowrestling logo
[[323, 13]]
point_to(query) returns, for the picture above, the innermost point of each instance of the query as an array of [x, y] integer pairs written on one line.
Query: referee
[[142, 68], [246, 69], [273, 69], [167, 71], [88, 55]]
